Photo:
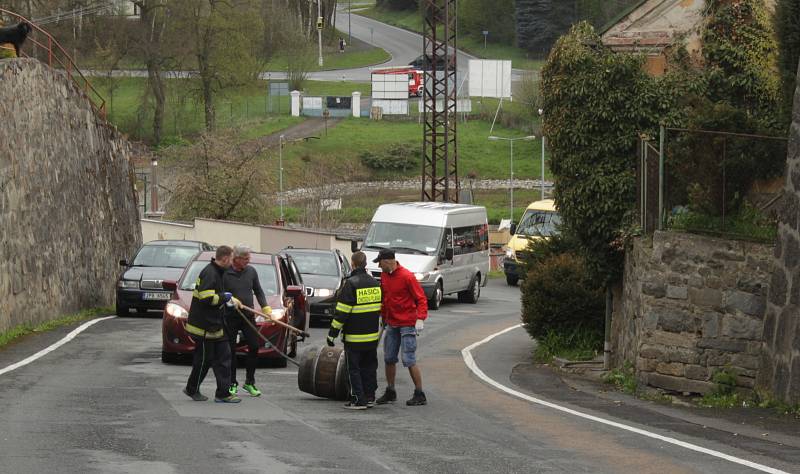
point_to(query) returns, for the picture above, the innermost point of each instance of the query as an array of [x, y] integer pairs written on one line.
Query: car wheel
[[168, 357], [471, 294], [438, 296], [122, 310], [512, 280]]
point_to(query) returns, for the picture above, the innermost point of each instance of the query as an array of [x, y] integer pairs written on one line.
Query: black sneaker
[[389, 396], [417, 399], [355, 406], [371, 401], [196, 396]]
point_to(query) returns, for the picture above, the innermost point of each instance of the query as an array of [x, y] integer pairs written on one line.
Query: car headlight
[[510, 254], [422, 276], [176, 311], [323, 292], [277, 315], [128, 284]]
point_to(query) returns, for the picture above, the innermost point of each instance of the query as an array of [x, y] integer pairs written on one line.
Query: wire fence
[[713, 182]]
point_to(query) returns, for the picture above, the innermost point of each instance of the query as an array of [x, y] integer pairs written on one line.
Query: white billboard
[[391, 106], [489, 78], [390, 86]]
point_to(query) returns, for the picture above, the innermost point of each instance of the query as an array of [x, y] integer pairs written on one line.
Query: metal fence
[[708, 181]]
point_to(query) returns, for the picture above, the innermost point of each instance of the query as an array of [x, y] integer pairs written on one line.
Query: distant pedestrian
[[205, 325], [358, 313], [242, 281], [404, 309], [342, 44]]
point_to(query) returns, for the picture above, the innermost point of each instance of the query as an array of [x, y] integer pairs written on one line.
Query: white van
[[445, 245]]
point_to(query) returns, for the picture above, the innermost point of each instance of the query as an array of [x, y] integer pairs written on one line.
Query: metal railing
[[703, 180], [53, 54]]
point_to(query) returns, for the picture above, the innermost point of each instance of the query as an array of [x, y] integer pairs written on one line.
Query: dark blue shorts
[[397, 338]]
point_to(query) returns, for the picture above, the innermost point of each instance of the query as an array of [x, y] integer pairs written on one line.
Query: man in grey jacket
[[241, 280]]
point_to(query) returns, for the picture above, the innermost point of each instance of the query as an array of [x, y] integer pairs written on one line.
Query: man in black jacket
[[242, 281], [358, 313], [205, 324]]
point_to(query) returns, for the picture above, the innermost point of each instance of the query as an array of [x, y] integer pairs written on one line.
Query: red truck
[[415, 78]]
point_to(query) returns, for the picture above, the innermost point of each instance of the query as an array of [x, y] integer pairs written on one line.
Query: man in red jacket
[[404, 309]]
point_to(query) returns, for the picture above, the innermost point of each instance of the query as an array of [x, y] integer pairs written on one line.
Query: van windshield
[[404, 238], [544, 223]]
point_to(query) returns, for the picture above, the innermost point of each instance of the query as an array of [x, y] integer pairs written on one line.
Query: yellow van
[[541, 220]]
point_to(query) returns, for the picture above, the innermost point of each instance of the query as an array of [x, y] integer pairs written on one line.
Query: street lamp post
[[280, 173], [511, 167], [349, 24], [541, 114], [319, 29], [154, 187]]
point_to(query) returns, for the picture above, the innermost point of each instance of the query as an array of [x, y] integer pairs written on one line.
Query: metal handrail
[[57, 55]]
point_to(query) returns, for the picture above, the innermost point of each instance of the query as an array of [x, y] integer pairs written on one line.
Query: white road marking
[[470, 361], [53, 347]]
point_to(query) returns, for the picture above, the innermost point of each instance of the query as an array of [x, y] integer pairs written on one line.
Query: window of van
[[544, 223], [404, 238], [470, 239]]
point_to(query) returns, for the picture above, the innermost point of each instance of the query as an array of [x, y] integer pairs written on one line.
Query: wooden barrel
[[323, 373]]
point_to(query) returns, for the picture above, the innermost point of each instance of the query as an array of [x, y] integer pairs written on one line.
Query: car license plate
[[157, 296]]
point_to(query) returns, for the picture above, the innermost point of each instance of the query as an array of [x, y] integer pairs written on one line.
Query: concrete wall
[[692, 305], [67, 206], [260, 238], [780, 364]]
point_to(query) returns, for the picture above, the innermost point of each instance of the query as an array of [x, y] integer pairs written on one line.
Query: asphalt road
[[104, 402]]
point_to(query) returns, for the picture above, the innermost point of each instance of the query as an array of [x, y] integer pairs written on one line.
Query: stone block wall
[[68, 210], [692, 305], [780, 365]]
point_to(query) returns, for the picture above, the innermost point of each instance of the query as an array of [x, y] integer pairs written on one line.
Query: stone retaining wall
[[692, 305], [67, 206]]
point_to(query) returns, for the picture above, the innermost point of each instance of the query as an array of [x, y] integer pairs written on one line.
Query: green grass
[[412, 21], [623, 379], [748, 224], [269, 125], [359, 54], [26, 329], [243, 107], [477, 154], [575, 345]]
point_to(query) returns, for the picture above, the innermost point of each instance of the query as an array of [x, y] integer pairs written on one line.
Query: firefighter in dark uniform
[[358, 313], [205, 325]]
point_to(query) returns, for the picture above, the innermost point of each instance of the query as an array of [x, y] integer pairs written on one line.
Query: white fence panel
[[391, 107]]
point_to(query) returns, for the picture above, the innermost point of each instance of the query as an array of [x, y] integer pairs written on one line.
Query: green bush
[[397, 157], [559, 295]]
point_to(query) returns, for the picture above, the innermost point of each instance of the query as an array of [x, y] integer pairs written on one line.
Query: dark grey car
[[139, 287], [323, 272]]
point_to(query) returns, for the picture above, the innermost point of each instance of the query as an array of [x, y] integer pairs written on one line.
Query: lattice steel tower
[[440, 153]]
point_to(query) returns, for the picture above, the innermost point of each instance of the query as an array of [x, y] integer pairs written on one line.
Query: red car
[[283, 287]]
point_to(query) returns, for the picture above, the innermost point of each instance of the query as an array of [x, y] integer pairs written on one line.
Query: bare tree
[[220, 180]]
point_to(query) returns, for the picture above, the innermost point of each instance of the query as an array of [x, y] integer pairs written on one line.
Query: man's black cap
[[385, 254]]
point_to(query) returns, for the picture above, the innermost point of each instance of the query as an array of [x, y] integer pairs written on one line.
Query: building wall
[[67, 206], [259, 238], [780, 374], [692, 305]]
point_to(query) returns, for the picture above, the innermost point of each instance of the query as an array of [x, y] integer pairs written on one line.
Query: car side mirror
[[294, 290], [513, 228], [123, 263], [170, 285], [353, 246], [448, 254]]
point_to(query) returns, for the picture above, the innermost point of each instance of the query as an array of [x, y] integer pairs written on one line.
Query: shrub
[[397, 157], [558, 295]]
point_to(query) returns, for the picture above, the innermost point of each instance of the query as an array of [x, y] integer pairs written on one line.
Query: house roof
[[653, 24]]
